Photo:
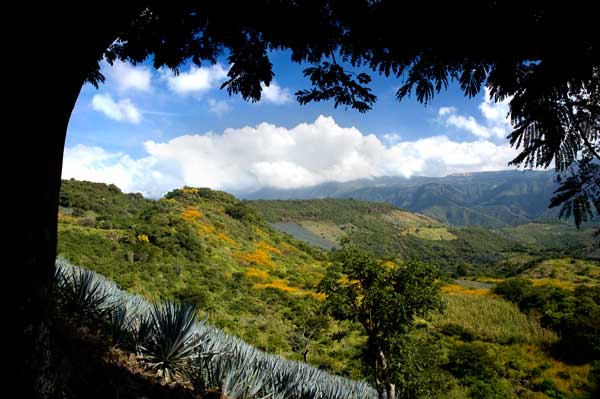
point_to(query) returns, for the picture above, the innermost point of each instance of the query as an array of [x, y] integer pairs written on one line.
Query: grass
[[327, 230], [575, 271], [411, 218], [430, 233], [491, 318], [460, 289], [526, 361]]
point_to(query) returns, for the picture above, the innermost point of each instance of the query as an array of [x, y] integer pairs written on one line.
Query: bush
[[456, 330], [514, 289], [243, 213], [488, 390], [471, 362]]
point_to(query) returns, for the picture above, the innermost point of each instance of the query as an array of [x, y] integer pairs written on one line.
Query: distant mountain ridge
[[488, 199]]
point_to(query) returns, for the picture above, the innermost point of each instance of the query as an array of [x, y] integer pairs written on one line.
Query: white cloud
[[446, 110], [267, 155], [496, 123], [218, 107], [391, 138], [123, 111], [129, 77], [195, 80], [275, 94]]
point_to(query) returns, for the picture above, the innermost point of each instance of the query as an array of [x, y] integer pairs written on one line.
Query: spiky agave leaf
[[119, 325], [84, 296], [172, 339]]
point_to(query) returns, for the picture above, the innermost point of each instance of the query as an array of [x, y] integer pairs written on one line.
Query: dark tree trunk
[[38, 207], [66, 43]]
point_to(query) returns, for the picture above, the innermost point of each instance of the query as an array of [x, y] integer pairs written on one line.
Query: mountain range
[[488, 199]]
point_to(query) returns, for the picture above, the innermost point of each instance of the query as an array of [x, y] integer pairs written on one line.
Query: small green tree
[[311, 324], [384, 298]]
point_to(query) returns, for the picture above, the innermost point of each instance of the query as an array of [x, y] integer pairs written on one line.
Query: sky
[[151, 131]]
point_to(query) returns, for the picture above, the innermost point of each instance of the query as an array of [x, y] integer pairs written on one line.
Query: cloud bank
[[266, 155]]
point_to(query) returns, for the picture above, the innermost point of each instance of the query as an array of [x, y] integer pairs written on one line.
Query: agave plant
[[119, 325], [172, 339], [83, 295]]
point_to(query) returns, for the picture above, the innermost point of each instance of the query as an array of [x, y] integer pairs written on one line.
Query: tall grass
[[492, 318], [218, 361]]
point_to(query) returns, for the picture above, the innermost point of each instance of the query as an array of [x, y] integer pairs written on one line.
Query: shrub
[[453, 329], [472, 361]]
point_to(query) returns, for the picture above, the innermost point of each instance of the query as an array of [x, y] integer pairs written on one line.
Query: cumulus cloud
[[195, 80], [275, 94], [266, 155], [123, 110], [218, 107], [495, 124], [391, 138], [129, 77]]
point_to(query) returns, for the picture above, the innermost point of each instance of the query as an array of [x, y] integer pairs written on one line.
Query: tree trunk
[[390, 388], [38, 186], [68, 40]]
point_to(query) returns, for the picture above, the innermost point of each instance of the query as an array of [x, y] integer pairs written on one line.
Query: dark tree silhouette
[[544, 55]]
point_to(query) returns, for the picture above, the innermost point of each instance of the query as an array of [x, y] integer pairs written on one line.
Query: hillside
[[391, 232], [204, 247], [488, 199]]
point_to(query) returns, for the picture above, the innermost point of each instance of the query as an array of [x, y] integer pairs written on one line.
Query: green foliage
[[548, 387], [113, 209], [579, 193], [491, 319], [416, 367], [384, 299], [575, 316], [243, 213], [472, 361], [455, 329]]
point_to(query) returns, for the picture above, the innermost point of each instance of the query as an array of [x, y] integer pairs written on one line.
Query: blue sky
[[150, 131]]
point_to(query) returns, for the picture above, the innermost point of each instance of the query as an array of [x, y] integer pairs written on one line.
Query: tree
[[547, 60], [310, 325], [384, 298]]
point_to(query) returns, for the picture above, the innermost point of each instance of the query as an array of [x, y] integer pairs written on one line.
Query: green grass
[[577, 271], [493, 319]]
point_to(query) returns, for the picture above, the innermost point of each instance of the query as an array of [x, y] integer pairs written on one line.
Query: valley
[[253, 268]]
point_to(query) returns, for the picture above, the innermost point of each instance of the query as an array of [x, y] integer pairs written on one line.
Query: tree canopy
[[384, 298]]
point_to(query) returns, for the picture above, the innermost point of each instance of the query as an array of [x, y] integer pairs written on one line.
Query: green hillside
[[257, 283], [390, 232], [206, 247]]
